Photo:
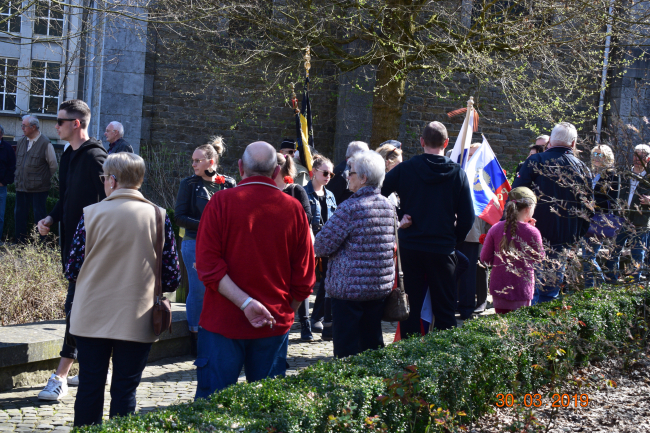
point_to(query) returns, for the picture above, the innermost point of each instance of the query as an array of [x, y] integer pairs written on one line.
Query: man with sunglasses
[[35, 165], [79, 186]]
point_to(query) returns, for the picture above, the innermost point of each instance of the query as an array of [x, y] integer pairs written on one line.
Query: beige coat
[[115, 288]]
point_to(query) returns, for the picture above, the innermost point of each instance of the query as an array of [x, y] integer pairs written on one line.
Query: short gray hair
[[544, 137], [33, 120], [370, 164], [128, 169], [260, 160], [564, 133], [356, 146], [642, 148], [118, 126]]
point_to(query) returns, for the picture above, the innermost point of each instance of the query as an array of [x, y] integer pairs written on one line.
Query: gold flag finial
[[307, 58]]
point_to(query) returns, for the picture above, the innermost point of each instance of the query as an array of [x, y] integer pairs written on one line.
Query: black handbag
[[396, 306]]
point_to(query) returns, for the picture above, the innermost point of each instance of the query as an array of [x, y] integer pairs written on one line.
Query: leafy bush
[[459, 371], [33, 286]]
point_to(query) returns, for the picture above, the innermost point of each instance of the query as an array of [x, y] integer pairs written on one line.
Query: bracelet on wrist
[[245, 304]]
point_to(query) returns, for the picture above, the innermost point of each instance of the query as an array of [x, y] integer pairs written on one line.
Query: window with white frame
[[8, 84], [48, 18], [44, 89], [9, 16]]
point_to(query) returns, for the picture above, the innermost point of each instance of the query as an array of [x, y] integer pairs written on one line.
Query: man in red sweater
[[255, 256]]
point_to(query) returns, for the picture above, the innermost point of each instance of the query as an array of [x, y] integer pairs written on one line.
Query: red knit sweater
[[259, 236]]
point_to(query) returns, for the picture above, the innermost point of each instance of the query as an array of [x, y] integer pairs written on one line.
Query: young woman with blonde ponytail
[[512, 247]]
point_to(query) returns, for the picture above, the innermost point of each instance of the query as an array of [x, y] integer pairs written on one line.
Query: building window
[[49, 19], [44, 91], [8, 80], [10, 16]]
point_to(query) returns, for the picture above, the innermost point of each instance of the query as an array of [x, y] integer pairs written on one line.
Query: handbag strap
[[160, 242], [400, 274]]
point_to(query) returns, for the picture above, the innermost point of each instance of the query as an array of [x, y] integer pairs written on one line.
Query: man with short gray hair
[[255, 256], [115, 135], [339, 183], [564, 192], [35, 166]]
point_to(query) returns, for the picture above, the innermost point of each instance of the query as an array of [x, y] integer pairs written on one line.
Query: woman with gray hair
[[606, 191], [359, 239], [113, 263]]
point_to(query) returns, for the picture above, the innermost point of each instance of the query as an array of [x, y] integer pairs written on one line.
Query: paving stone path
[[164, 382]]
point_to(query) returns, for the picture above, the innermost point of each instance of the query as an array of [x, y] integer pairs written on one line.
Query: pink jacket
[[513, 275]]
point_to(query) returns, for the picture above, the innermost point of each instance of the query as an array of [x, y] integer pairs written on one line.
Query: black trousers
[[467, 283], [356, 326], [322, 306], [69, 349], [129, 360], [435, 271]]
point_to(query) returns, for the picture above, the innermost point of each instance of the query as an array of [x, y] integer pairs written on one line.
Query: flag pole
[[466, 126]]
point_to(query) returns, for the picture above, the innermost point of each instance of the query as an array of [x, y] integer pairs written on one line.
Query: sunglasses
[[326, 173], [60, 121], [597, 154]]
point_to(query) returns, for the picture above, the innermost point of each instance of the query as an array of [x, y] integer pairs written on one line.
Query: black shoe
[[305, 331], [316, 326], [194, 339], [327, 332]]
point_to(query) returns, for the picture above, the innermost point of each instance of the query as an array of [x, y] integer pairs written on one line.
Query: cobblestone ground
[[164, 382]]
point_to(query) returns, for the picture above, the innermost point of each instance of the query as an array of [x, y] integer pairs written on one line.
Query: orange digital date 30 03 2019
[[535, 400]]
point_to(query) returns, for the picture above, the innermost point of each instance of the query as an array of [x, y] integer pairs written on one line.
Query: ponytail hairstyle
[[287, 166], [510, 227], [320, 160], [213, 149]]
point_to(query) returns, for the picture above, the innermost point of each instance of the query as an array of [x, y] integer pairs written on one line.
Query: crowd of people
[[255, 249]]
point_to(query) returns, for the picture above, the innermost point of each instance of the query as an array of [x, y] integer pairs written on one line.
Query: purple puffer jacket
[[359, 239]]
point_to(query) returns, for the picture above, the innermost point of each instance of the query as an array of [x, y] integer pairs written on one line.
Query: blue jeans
[[194, 301], [129, 361], [3, 203], [547, 286], [637, 242], [220, 360], [591, 268], [38, 201]]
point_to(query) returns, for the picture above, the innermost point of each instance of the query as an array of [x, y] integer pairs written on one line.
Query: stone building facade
[[125, 73]]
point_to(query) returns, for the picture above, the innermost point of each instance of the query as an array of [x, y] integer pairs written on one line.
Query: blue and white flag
[[461, 148]]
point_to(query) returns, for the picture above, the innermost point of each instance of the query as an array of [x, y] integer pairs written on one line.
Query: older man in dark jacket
[[7, 169], [562, 184]]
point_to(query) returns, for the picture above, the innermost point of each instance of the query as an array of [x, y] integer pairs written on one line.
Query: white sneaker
[[55, 389], [74, 380]]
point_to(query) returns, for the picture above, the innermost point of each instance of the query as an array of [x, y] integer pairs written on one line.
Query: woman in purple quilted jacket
[[359, 239]]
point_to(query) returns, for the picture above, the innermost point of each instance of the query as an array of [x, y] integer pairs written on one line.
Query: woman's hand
[[406, 222], [258, 315]]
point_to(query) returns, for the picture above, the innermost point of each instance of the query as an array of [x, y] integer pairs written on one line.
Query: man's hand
[[2, 184], [295, 304], [645, 199], [406, 222], [532, 222], [44, 225], [258, 315]]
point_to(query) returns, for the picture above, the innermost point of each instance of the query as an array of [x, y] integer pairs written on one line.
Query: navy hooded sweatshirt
[[435, 192]]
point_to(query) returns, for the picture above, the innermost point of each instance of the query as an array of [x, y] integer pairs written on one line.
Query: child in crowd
[[512, 247]]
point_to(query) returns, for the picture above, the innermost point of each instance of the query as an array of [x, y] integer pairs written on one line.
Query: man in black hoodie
[[79, 186], [434, 194]]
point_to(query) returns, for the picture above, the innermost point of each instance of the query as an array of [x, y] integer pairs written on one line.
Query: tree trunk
[[387, 104]]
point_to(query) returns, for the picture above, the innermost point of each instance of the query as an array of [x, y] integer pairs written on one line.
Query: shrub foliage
[[451, 374]]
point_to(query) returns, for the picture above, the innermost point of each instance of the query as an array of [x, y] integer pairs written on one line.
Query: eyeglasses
[[350, 173], [325, 172], [197, 161], [104, 177], [60, 121]]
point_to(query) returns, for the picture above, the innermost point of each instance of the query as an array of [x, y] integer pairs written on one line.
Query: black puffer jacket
[[190, 202], [79, 186], [562, 184]]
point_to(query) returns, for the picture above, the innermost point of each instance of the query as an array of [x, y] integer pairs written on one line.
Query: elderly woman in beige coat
[[112, 261]]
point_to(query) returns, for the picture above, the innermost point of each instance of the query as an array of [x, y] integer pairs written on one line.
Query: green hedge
[[10, 224], [459, 370]]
